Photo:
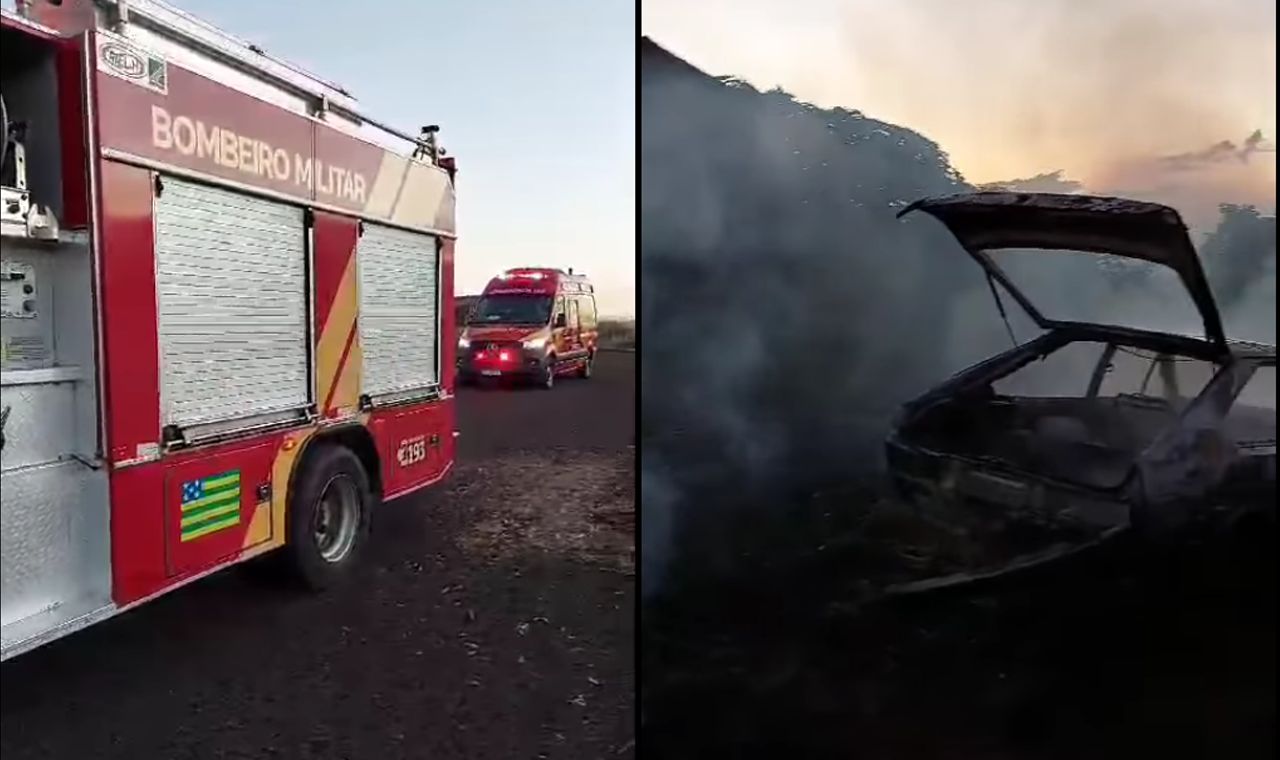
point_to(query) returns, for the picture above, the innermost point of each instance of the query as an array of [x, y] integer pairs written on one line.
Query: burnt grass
[[768, 638], [481, 626]]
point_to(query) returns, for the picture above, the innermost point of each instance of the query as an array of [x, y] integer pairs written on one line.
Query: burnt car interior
[[1083, 412]]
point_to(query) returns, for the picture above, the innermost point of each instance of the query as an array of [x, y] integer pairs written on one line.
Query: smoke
[[1132, 98], [1240, 260], [658, 513], [1196, 182], [1224, 150], [1100, 90], [788, 313], [1048, 182]]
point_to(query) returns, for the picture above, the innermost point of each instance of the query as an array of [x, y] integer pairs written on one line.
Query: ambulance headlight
[[533, 344], [464, 343]]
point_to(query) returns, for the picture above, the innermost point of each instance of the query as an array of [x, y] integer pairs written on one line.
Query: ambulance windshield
[[511, 310]]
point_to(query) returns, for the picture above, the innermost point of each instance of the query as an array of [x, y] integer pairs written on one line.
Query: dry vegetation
[[784, 644], [578, 506], [618, 333]]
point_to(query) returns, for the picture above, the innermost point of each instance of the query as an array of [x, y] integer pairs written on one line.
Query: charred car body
[[1160, 429]]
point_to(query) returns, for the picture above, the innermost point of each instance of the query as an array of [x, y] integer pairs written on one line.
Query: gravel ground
[[489, 626]]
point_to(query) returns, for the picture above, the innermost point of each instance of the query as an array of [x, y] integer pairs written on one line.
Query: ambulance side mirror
[[562, 321]]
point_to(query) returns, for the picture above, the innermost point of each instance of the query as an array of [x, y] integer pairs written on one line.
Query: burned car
[[1099, 421]]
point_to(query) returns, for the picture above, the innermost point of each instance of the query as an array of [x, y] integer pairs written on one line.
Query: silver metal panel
[[399, 335], [26, 308], [231, 279], [51, 625], [54, 545], [55, 569], [41, 425]]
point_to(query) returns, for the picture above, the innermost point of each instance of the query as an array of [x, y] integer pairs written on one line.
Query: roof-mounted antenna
[[428, 145]]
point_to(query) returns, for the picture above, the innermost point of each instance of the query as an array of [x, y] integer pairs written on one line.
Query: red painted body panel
[[130, 327], [334, 240], [415, 444], [252, 461], [337, 151], [125, 122], [502, 333], [448, 322], [148, 554], [334, 243], [138, 567], [278, 146]]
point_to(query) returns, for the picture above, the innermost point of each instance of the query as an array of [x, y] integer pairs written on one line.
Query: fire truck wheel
[[588, 366], [547, 380], [329, 517]]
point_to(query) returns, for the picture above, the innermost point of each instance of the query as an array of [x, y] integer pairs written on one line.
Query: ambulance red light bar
[[517, 274]]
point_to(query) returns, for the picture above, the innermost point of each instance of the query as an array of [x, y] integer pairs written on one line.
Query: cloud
[[1101, 91]]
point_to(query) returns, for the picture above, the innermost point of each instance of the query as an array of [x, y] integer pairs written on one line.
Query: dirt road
[[495, 621]]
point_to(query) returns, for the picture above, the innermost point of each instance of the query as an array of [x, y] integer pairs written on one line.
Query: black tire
[[547, 378], [588, 367], [304, 556]]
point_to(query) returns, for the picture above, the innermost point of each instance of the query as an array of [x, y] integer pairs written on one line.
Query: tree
[[1239, 252]]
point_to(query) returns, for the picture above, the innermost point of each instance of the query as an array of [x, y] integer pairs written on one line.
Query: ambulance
[[530, 325]]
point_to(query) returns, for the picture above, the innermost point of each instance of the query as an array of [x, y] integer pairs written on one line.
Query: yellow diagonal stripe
[[214, 498], [212, 528], [233, 508], [333, 335], [218, 481]]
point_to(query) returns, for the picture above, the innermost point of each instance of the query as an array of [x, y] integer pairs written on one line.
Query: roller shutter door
[[231, 281], [399, 323]]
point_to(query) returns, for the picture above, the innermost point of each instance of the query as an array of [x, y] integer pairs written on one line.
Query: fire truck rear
[[223, 305]]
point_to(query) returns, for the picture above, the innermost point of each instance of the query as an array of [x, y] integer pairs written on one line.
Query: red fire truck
[[223, 302], [531, 324]]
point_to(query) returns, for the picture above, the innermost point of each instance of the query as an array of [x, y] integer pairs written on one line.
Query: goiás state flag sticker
[[210, 505]]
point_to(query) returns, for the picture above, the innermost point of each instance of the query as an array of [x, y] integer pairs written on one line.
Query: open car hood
[[988, 221]]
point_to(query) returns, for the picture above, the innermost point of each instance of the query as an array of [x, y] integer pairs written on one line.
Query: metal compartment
[[55, 567]]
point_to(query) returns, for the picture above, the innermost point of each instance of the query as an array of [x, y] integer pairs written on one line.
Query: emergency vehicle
[[531, 324], [223, 302]]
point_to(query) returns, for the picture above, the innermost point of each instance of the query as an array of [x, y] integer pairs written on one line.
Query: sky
[[1099, 89], [535, 100]]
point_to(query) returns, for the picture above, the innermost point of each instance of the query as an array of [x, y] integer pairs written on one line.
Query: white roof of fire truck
[[230, 60]]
